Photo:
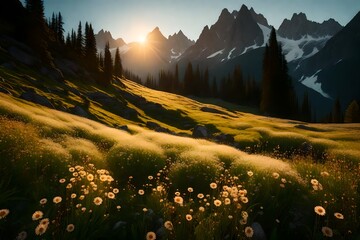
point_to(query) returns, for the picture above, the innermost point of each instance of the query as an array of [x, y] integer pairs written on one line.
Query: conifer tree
[[336, 113], [188, 80], [108, 65], [352, 113], [278, 97], [118, 69], [79, 40], [305, 109], [90, 50]]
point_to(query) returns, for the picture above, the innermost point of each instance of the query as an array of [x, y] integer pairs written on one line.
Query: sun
[[142, 39]]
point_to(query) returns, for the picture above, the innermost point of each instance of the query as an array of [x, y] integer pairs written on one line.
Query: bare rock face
[[200, 131], [36, 98]]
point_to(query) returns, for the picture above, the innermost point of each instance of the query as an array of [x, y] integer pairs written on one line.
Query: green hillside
[[118, 179]]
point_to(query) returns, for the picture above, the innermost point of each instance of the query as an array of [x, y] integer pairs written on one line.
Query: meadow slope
[[117, 184]]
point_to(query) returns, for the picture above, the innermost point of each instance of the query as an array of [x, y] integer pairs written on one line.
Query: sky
[[133, 19]]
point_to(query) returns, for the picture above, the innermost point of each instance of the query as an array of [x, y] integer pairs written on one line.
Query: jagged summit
[[299, 26], [103, 36]]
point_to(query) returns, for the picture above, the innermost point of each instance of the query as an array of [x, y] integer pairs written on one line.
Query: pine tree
[[60, 29], [38, 32], [189, 80], [336, 113], [90, 50], [352, 113], [278, 96], [117, 64], [305, 108], [108, 65], [79, 40], [101, 60]]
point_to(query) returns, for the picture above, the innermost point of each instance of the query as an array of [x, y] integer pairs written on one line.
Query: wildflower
[[283, 180], [41, 229], [339, 215], [314, 182], [227, 201], [179, 200], [70, 227], [225, 194], [188, 217], [324, 174], [145, 209], [90, 177], [82, 173], [73, 195], [37, 215], [81, 197], [45, 221], [103, 178], [282, 185], [320, 210], [118, 207], [150, 177], [111, 195], [249, 232], [69, 186], [168, 225], [57, 199], [244, 199], [177, 193], [213, 185], [4, 213], [250, 173], [200, 196], [150, 236], [62, 180], [21, 236], [243, 221], [217, 203], [141, 192], [190, 189], [71, 169], [98, 201], [230, 217], [43, 201], [159, 188], [109, 178], [244, 214], [327, 231], [115, 190], [201, 209], [243, 193], [275, 175]]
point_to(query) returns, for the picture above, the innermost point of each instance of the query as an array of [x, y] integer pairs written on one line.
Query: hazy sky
[[133, 19]]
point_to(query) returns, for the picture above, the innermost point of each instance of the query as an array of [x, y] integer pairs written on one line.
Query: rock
[[224, 138], [124, 127], [36, 98], [129, 113], [152, 125], [23, 57], [77, 110], [306, 148], [53, 73], [200, 131], [157, 127], [212, 110]]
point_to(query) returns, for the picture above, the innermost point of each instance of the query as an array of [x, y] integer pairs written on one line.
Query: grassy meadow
[[67, 177]]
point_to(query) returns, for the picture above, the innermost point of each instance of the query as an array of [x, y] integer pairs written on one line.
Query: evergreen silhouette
[[90, 50], [305, 109], [118, 69], [189, 80], [79, 40], [336, 113], [352, 113], [108, 65], [278, 97]]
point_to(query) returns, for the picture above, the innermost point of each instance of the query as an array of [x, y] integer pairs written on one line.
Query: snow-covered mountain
[[333, 71], [302, 38]]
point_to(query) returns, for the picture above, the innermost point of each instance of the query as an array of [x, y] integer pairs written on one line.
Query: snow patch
[[315, 51], [338, 61], [311, 82], [252, 47], [266, 32], [175, 55], [216, 53], [231, 51]]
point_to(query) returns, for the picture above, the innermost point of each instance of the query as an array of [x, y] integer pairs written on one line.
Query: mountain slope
[[335, 67]]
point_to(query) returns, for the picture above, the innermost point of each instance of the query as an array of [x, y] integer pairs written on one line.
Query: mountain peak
[[156, 36], [243, 9], [299, 17], [259, 18], [224, 13]]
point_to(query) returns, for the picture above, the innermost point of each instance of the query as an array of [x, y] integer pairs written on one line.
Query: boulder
[[77, 110], [200, 131], [224, 138], [157, 127], [32, 96]]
